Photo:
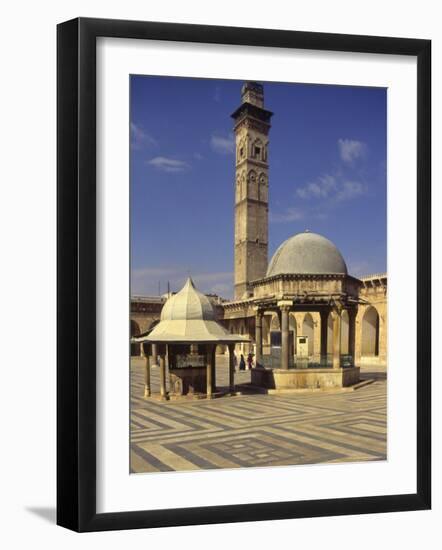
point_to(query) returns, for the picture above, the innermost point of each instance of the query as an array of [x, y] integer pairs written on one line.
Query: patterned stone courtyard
[[257, 430]]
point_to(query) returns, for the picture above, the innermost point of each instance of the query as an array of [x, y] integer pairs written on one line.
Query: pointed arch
[[274, 323], [238, 188], [257, 149], [251, 176], [252, 187], [243, 184], [308, 330], [241, 150], [370, 332], [263, 187]]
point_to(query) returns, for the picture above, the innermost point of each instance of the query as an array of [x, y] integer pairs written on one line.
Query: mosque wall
[[299, 286]]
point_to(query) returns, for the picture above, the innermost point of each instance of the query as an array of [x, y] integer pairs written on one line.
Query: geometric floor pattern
[[256, 430]]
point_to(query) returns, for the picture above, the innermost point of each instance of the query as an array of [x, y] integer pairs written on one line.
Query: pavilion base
[[157, 397], [191, 396], [304, 379]]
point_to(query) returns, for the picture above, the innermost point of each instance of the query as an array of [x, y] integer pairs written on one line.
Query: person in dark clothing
[[242, 363], [250, 361]]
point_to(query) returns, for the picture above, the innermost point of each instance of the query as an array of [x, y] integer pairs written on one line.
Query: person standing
[[235, 362], [249, 361], [242, 363]]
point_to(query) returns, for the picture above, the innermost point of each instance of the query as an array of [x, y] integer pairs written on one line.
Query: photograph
[[258, 274], [224, 225]]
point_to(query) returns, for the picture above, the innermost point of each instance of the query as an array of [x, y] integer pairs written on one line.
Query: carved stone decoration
[[251, 176]]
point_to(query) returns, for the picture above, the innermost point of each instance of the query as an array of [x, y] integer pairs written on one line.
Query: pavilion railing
[[273, 360]]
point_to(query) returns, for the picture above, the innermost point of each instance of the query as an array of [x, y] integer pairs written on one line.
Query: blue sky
[[327, 157]]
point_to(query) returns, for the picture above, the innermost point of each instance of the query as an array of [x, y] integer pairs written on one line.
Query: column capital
[[337, 308], [352, 312], [285, 304], [324, 312], [258, 311]]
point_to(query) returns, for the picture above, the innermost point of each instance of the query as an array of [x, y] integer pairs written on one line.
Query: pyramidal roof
[[189, 317], [188, 304]]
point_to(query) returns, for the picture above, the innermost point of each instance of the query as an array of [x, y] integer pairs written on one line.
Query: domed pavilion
[[186, 338], [307, 274]]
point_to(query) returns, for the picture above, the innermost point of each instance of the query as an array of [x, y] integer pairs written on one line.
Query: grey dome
[[307, 253]]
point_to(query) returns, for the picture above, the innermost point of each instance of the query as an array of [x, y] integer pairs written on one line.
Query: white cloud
[[351, 149], [350, 190], [289, 215], [139, 138], [321, 188], [320, 195], [222, 145], [166, 164], [332, 188]]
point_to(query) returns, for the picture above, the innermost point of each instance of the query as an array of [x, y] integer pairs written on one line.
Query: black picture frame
[[76, 273]]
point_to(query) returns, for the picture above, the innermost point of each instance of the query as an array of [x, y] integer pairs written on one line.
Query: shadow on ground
[[44, 512], [373, 375]]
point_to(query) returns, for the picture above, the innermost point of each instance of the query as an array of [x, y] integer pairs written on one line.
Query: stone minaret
[[252, 125]]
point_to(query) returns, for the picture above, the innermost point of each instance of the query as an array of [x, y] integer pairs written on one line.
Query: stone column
[[284, 307], [337, 339], [231, 368], [358, 345], [209, 372], [214, 368], [154, 354], [258, 337], [352, 335], [146, 373], [324, 336], [163, 392]]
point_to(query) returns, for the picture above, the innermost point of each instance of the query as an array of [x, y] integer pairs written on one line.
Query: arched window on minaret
[[251, 185], [262, 187], [241, 150], [257, 149], [243, 186], [238, 188]]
